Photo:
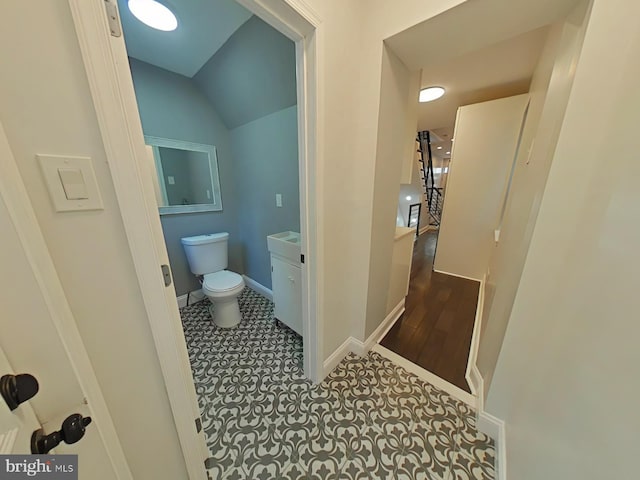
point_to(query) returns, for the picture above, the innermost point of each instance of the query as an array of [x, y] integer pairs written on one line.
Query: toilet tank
[[206, 253]]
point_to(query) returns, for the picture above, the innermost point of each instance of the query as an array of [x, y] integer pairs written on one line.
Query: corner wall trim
[[336, 357], [258, 287], [353, 345], [362, 348], [495, 428]]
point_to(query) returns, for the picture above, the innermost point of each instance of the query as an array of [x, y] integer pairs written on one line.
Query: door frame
[[106, 64], [13, 194]]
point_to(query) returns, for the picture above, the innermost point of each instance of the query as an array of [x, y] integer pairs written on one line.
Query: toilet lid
[[221, 281]]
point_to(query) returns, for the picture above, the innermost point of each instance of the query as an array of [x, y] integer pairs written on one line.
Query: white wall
[[400, 266], [350, 55], [46, 107], [396, 86], [486, 141], [549, 92], [566, 382]]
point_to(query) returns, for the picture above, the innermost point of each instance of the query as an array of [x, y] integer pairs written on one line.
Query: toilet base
[[227, 314]]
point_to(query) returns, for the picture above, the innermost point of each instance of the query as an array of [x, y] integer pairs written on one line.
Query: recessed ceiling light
[[408, 198], [448, 153], [430, 94], [154, 14], [439, 148]]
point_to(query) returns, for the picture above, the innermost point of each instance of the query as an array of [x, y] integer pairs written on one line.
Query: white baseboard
[[495, 428], [472, 374], [427, 376], [474, 379], [194, 297], [362, 348], [456, 275], [336, 357], [353, 345], [258, 287]]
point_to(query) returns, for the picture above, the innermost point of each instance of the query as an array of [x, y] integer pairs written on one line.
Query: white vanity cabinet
[[286, 281], [286, 278]]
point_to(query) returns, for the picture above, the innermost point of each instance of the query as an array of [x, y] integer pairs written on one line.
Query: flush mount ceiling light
[[430, 94], [154, 14]]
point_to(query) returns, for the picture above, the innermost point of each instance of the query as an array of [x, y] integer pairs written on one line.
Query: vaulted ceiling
[[203, 27], [243, 66]]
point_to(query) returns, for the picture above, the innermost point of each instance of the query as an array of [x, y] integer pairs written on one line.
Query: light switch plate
[[52, 165], [75, 188], [278, 199]]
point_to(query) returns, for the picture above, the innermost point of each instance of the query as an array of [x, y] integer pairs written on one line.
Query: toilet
[[207, 256]]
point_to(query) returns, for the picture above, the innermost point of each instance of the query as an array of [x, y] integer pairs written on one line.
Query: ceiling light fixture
[[448, 153], [439, 148], [153, 14], [430, 94]]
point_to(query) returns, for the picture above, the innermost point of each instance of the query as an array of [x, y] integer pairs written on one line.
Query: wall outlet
[[278, 199]]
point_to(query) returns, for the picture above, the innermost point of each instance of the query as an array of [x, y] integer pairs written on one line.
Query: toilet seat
[[222, 282]]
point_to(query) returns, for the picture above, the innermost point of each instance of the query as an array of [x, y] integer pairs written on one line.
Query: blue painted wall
[[266, 163], [171, 106], [252, 75], [248, 86]]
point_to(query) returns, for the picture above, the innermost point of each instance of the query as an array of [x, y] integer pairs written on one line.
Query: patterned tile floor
[[370, 419]]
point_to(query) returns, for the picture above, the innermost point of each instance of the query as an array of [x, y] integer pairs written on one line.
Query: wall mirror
[[187, 176]]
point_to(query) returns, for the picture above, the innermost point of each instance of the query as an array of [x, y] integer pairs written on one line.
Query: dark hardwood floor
[[436, 327]]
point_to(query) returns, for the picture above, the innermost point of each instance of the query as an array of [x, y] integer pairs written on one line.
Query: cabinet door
[[287, 293]]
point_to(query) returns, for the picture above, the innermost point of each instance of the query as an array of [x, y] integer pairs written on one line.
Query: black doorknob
[[72, 430], [16, 389]]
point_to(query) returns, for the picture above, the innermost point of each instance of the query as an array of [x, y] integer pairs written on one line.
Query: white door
[[38, 336]]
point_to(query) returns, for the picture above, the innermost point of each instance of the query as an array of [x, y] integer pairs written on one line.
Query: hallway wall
[[349, 101], [486, 143], [549, 92], [398, 96], [566, 382]]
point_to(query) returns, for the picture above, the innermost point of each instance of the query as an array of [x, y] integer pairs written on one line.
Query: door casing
[[106, 63]]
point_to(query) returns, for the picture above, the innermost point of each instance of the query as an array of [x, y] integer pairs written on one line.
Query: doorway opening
[[467, 145], [436, 328], [218, 108], [106, 61]]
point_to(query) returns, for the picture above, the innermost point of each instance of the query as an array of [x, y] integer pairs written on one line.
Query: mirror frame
[[161, 190]]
